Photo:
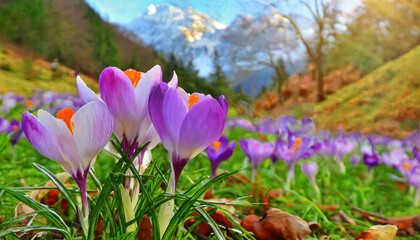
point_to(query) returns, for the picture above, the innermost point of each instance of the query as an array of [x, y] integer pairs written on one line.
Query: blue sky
[[123, 11], [224, 11]]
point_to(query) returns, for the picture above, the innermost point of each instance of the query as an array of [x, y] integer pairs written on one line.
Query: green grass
[[15, 70], [380, 194]]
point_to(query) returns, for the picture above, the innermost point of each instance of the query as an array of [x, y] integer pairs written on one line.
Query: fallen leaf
[[380, 232], [341, 217], [145, 230], [203, 228], [276, 225], [407, 225]]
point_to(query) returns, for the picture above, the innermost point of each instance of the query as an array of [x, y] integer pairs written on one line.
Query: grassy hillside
[[386, 101], [73, 33], [15, 71]]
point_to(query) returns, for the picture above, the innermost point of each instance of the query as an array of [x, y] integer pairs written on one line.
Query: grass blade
[[70, 199]]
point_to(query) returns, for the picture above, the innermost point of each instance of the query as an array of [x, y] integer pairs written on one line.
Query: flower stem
[[83, 195], [254, 173], [290, 175], [341, 165], [417, 197], [317, 191]]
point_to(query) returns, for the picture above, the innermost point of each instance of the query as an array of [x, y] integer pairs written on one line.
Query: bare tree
[[261, 42], [325, 18]]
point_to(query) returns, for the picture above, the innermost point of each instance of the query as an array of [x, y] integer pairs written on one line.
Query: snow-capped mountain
[[187, 33], [194, 36]]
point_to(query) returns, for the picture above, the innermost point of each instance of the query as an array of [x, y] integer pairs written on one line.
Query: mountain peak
[[151, 9]]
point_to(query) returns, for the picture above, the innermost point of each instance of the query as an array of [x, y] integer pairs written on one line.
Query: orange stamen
[[298, 141], [133, 75], [216, 145], [15, 127], [66, 114], [29, 103], [406, 166], [193, 99]]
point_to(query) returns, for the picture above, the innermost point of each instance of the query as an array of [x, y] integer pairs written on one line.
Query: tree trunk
[[319, 82], [280, 82]]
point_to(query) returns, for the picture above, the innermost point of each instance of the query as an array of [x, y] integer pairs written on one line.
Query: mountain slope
[[386, 101], [73, 33], [15, 70]]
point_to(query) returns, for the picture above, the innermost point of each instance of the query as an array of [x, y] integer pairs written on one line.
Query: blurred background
[[349, 64]]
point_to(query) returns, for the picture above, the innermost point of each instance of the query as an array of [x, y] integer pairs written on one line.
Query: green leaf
[[18, 218], [145, 191], [8, 231], [109, 212], [187, 205], [3, 140], [211, 222], [119, 168], [44, 210], [70, 199]]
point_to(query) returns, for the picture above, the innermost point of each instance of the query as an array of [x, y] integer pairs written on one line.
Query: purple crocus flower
[[186, 124], [12, 129], [242, 123], [267, 126], [394, 158], [414, 176], [10, 100], [371, 159], [286, 122], [308, 125], [416, 153], [257, 151], [310, 169], [126, 95], [15, 130], [291, 152], [4, 125], [354, 160], [218, 152], [73, 139]]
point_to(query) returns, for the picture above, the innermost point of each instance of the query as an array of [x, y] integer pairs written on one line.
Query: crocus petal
[[85, 92], [151, 79], [244, 145], [201, 127], [184, 94], [4, 125], [174, 81], [223, 140], [117, 92], [40, 137], [93, 126], [150, 136], [156, 112], [64, 141], [174, 109], [224, 105], [310, 169], [225, 155]]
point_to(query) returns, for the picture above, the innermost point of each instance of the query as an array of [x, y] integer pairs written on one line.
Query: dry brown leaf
[[380, 232], [407, 225], [203, 228], [276, 225]]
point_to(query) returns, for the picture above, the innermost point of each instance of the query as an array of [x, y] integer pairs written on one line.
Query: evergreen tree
[[218, 79]]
